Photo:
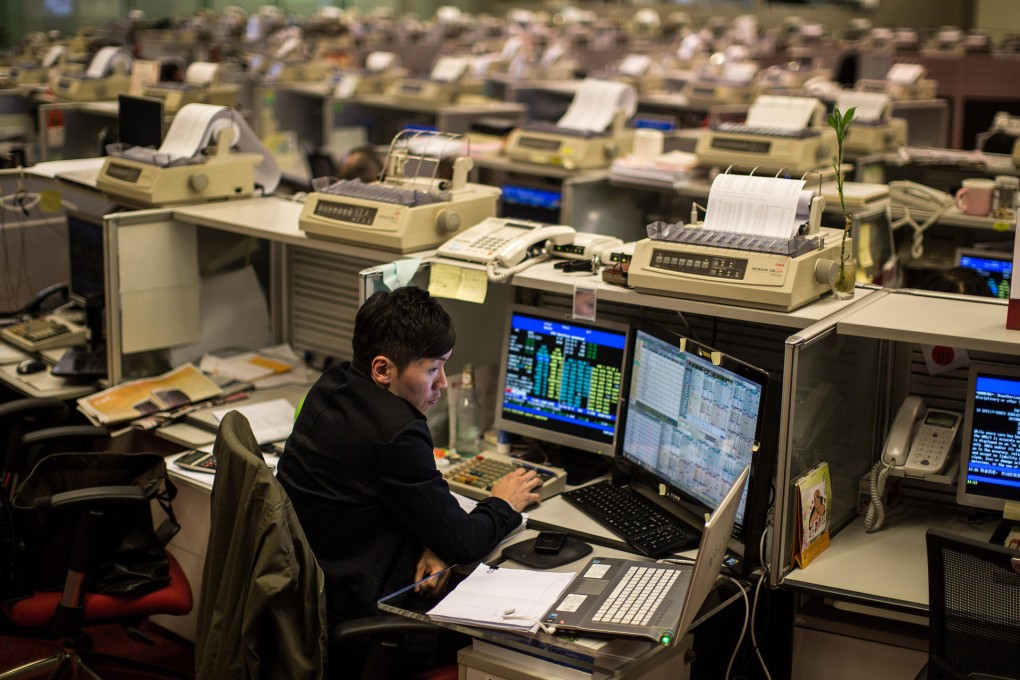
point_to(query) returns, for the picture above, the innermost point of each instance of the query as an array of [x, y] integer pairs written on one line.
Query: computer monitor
[[693, 418], [87, 273], [140, 121], [990, 449], [995, 267], [560, 379], [531, 203]]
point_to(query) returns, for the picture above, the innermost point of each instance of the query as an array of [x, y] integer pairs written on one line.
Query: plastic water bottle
[[469, 415]]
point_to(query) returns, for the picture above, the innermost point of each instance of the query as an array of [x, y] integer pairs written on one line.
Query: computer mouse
[[29, 366]]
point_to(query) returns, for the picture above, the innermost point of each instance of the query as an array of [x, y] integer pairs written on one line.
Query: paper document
[[757, 206], [595, 105], [785, 113], [485, 597], [271, 421], [449, 69]]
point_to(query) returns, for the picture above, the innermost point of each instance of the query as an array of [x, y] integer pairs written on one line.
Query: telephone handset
[[504, 242], [921, 438], [914, 195]]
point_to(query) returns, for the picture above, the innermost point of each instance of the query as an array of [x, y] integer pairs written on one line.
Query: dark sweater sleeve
[[410, 485]]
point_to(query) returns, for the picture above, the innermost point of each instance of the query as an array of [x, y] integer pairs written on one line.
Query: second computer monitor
[[995, 267], [693, 416], [560, 379]]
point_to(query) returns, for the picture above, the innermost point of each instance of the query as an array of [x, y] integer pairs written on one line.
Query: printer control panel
[[702, 265]]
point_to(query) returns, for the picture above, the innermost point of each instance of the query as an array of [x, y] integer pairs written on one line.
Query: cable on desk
[[875, 517], [743, 629]]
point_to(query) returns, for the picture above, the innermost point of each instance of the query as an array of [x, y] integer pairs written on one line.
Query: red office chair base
[[72, 663]]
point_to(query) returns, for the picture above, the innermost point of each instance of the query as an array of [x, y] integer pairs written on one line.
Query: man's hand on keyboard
[[518, 488]]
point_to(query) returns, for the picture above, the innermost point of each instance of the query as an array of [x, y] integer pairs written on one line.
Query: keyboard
[[43, 333], [644, 525], [82, 362], [637, 596], [475, 476]]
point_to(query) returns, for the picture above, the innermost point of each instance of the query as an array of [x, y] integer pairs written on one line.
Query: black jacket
[[359, 470]]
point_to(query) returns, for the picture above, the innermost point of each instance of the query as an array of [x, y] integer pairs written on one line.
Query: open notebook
[[658, 601]]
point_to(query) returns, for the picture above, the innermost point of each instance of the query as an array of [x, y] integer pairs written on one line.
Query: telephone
[[920, 439], [46, 300], [914, 195], [919, 443], [504, 242]]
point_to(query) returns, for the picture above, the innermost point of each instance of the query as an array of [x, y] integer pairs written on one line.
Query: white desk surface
[[273, 218], [972, 323], [545, 277], [43, 384], [889, 566]]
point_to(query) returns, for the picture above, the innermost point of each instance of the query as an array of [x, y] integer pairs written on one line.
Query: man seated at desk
[[360, 472]]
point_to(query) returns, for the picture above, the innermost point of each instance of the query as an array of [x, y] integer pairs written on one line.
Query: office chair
[[271, 622], [18, 418], [973, 609], [90, 517]]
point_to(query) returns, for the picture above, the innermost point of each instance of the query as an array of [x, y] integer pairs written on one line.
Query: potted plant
[[847, 275]]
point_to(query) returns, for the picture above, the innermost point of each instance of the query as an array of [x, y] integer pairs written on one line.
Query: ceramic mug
[[975, 196]]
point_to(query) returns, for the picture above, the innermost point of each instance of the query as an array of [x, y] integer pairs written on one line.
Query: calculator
[[200, 461], [475, 476]]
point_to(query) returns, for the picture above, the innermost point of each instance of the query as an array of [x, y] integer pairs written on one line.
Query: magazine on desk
[[813, 491], [137, 398]]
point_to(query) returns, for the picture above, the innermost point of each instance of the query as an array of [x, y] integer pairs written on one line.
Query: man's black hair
[[404, 325]]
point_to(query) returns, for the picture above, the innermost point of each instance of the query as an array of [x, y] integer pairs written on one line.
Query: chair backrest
[[262, 606], [19, 417], [974, 607]]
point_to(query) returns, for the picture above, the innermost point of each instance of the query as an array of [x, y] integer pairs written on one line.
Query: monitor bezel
[[540, 433], [730, 363], [975, 500]]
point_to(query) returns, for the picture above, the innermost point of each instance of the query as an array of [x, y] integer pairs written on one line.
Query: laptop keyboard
[[640, 522], [636, 597]]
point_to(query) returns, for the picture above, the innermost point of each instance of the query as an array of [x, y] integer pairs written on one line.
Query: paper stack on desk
[[486, 596]]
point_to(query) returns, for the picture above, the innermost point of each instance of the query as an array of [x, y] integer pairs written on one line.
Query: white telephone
[[921, 439], [504, 242], [914, 195]]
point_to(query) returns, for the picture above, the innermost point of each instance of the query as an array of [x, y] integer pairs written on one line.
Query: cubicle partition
[[864, 599]]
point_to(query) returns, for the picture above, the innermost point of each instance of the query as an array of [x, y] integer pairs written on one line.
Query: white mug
[[975, 196]]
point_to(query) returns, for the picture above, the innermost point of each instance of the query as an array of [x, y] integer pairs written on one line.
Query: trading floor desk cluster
[[641, 266]]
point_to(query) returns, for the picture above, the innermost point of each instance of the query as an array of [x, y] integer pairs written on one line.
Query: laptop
[[612, 596]]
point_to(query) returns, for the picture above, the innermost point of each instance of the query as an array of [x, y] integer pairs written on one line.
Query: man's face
[[421, 382]]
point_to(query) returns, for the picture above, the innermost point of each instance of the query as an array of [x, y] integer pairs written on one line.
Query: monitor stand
[[581, 466]]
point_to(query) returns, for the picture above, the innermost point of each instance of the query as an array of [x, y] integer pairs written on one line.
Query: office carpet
[[169, 650]]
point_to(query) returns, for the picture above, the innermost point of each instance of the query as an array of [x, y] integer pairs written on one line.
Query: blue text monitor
[[995, 268], [560, 379], [990, 448]]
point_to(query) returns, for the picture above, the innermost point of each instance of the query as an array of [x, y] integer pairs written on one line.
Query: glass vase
[[846, 277]]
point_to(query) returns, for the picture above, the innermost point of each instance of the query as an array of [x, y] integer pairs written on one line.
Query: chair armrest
[[95, 495], [64, 433], [374, 626]]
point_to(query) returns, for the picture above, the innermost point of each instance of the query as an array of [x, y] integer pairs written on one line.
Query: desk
[[44, 383], [511, 654]]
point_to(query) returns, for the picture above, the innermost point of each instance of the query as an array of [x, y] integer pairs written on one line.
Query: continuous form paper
[[106, 58], [871, 106], [449, 69], [784, 113], [595, 105], [195, 127], [201, 73], [757, 206]]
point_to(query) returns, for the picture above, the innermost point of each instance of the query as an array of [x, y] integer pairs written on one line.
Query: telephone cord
[[502, 275], [875, 517]]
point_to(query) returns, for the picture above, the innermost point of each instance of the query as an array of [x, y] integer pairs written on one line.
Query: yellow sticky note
[[49, 201], [450, 281], [1011, 510], [444, 280], [863, 249]]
